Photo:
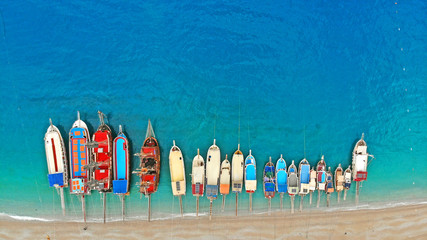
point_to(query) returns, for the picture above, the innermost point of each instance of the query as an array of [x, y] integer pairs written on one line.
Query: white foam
[[24, 218]]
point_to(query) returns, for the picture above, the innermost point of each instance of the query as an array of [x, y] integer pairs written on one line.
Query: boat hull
[[56, 158], [79, 158], [150, 166], [237, 172], [177, 171], [102, 155], [121, 165]]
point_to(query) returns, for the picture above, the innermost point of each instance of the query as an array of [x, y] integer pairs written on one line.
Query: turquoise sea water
[[328, 70]]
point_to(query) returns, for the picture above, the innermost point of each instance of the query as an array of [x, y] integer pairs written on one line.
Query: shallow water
[[325, 72]]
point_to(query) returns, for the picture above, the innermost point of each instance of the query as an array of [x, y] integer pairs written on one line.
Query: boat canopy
[[282, 179], [362, 149], [250, 172], [56, 179], [269, 171], [269, 187], [305, 174], [120, 186], [361, 162]]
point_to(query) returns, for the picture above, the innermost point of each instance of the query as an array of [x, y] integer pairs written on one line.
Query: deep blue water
[[326, 70]]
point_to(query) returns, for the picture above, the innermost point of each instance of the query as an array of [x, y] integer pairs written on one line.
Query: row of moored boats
[[101, 163]]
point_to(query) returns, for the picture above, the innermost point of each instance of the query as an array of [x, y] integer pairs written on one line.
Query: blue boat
[[121, 167], [250, 177], [269, 182], [281, 179]]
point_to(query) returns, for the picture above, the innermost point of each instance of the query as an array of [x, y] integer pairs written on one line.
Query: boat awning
[[305, 174], [269, 187], [361, 162], [282, 177], [56, 179], [250, 172], [120, 186]]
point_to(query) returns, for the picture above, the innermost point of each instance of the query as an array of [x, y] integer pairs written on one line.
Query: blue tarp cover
[[282, 181], [56, 178], [269, 169], [305, 174], [250, 172], [269, 187], [120, 186]]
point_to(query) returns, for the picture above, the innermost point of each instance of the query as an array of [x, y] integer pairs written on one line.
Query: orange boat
[[149, 171]]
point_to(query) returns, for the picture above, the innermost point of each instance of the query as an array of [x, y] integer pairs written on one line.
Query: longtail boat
[[347, 179], [237, 173], [79, 159], [360, 164], [102, 155], [177, 171], [269, 182], [121, 167], [339, 180], [250, 177], [198, 178], [224, 180], [149, 167], [56, 161], [321, 178], [304, 180], [213, 165], [292, 183], [313, 175], [282, 179], [329, 185]]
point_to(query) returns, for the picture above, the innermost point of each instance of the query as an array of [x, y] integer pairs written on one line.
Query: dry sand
[[406, 222]]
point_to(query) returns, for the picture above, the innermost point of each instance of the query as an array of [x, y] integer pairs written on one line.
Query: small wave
[[24, 218]]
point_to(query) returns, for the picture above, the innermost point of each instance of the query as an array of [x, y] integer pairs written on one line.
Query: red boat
[[102, 156], [149, 171]]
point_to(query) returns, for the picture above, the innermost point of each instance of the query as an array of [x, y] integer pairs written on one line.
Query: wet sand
[[406, 222]]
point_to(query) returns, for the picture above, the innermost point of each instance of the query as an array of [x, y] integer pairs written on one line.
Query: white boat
[[213, 165], [56, 161], [198, 178], [237, 173], [339, 180], [347, 179], [250, 177], [321, 178], [224, 180], [177, 171], [292, 183], [313, 175], [360, 163]]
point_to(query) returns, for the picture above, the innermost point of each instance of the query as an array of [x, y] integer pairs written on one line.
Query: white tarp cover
[[361, 162]]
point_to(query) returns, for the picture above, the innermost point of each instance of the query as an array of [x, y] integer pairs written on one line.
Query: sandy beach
[[406, 222]]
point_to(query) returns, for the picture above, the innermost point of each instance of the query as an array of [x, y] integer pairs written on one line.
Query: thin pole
[[180, 206], [149, 207], [61, 193], [357, 193], [345, 194], [210, 210], [84, 211], [237, 203], [123, 207], [301, 203], [281, 202], [104, 205], [250, 202], [311, 197], [197, 206], [339, 194], [318, 198], [223, 202], [292, 203], [328, 197], [269, 206]]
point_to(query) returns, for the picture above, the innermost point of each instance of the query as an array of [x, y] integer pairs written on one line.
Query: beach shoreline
[[401, 222]]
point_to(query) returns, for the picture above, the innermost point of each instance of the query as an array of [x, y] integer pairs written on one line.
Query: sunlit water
[[328, 71]]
